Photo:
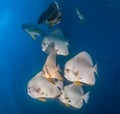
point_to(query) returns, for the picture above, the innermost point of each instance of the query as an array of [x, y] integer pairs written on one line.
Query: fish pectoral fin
[[57, 75], [33, 37], [50, 80], [60, 78], [66, 104], [77, 83], [42, 99]]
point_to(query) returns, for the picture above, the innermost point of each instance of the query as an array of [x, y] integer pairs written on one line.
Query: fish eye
[[66, 97], [37, 90], [55, 80], [79, 78], [67, 70], [29, 88], [69, 101], [42, 93], [59, 17], [44, 44], [76, 73]]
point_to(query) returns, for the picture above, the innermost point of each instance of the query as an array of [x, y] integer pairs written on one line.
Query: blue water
[[21, 56]]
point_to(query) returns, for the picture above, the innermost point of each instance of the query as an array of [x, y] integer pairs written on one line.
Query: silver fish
[[73, 95], [50, 70], [81, 17], [80, 69], [61, 45], [32, 30], [40, 88]]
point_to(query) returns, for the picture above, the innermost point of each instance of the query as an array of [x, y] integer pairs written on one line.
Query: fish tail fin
[[82, 21], [67, 43], [95, 69], [86, 97]]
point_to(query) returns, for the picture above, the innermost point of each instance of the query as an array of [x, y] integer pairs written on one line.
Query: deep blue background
[[21, 57]]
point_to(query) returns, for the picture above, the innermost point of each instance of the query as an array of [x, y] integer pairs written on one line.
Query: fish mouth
[[43, 49], [31, 95], [66, 74]]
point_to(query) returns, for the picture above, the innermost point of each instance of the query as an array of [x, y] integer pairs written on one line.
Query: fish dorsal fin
[[36, 30], [57, 33], [84, 57], [74, 88]]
